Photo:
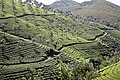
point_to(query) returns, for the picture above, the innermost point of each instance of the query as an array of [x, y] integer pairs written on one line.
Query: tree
[[83, 71], [64, 71], [2, 5], [44, 6], [3, 48], [36, 2], [33, 39], [28, 1], [96, 62], [13, 10], [40, 4], [55, 43], [40, 37], [16, 28], [30, 7], [20, 2], [77, 71], [3, 28], [13, 7]]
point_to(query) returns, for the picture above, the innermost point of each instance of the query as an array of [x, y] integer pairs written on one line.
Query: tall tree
[[14, 11], [3, 28], [2, 5], [40, 4], [13, 7], [28, 1], [20, 2], [35, 2], [30, 8]]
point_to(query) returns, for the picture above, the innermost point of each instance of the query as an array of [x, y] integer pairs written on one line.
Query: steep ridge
[[95, 10]]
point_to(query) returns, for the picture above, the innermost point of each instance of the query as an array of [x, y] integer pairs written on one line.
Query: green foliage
[[110, 72], [77, 71], [94, 10], [84, 71], [64, 71], [49, 31]]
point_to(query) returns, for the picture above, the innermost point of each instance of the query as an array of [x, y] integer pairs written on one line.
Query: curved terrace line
[[91, 41], [27, 15]]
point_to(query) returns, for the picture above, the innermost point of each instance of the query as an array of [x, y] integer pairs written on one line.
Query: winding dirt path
[[27, 15], [100, 36], [91, 41]]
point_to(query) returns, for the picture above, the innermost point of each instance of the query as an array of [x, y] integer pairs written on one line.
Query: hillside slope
[[34, 41], [64, 3], [111, 72], [96, 10]]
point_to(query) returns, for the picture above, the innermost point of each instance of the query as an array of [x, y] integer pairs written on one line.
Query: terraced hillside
[[34, 43], [111, 72], [20, 57]]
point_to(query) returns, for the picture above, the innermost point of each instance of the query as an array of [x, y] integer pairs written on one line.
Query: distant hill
[[64, 3], [96, 10]]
